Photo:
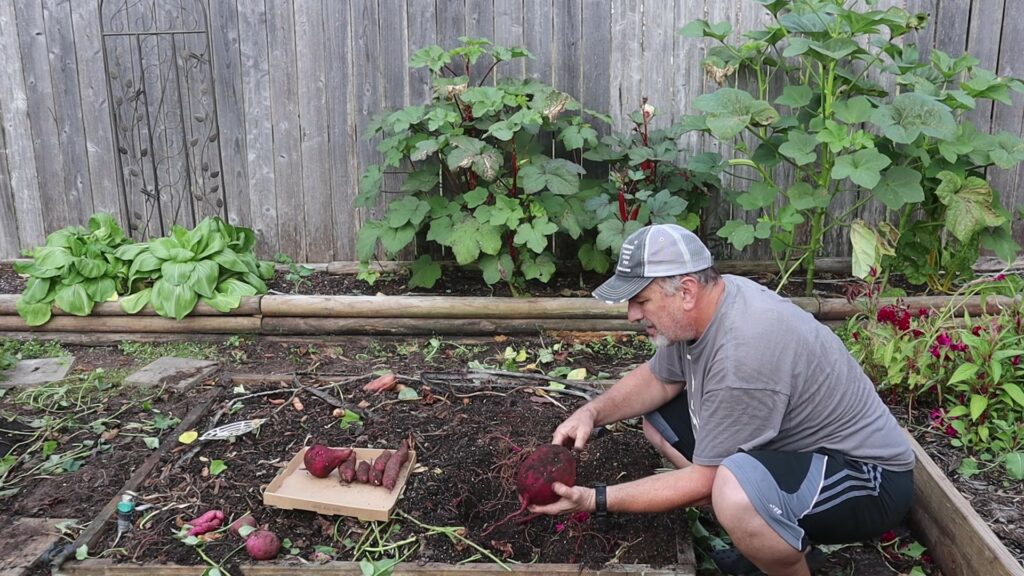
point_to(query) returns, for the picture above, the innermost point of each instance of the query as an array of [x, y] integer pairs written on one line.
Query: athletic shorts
[[820, 497]]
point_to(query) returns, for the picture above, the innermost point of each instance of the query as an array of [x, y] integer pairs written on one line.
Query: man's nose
[[633, 313]]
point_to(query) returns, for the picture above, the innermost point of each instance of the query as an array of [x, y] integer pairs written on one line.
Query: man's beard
[[660, 341]]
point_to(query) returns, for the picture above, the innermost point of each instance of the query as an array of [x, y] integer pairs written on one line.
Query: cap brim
[[618, 289]]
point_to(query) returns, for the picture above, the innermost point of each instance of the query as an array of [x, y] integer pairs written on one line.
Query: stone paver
[[35, 372], [24, 541], [179, 374]]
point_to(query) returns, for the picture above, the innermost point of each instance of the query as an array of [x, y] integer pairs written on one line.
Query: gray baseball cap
[[653, 252]]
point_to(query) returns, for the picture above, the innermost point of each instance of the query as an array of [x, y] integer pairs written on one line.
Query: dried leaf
[[297, 404], [276, 401]]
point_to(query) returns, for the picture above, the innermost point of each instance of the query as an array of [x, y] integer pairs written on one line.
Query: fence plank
[[985, 33], [421, 35], [508, 32], [658, 69], [537, 38], [624, 78], [480, 24], [259, 129], [67, 109], [99, 138], [567, 19], [9, 244], [39, 91], [688, 53], [341, 126], [312, 94], [596, 37], [227, 81], [14, 116], [366, 81], [1011, 46], [451, 23]]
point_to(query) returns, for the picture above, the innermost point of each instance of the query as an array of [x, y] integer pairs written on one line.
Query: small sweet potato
[[207, 522], [363, 472], [246, 520], [394, 466], [381, 383], [347, 470], [377, 473]]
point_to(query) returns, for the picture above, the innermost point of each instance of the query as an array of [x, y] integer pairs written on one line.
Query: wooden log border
[[958, 539], [296, 315]]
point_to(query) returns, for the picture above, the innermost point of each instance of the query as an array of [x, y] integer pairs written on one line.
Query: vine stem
[[452, 532]]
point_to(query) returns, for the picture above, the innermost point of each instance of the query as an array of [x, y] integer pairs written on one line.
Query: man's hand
[[575, 430], [573, 499]]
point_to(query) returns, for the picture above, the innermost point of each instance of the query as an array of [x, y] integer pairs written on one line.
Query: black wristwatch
[[601, 504]]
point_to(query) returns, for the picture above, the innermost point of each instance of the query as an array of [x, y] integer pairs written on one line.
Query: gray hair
[[705, 277]]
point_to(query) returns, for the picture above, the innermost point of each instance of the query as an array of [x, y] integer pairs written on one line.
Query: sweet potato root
[[347, 470], [394, 466], [377, 473], [381, 383], [363, 472]]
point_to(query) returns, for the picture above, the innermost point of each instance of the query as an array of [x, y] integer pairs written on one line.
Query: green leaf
[[854, 110], [100, 289], [177, 273], [151, 442], [864, 242], [204, 277], [499, 268], [1014, 462], [217, 466], [1015, 392], [91, 268], [171, 301], [540, 268], [236, 287], [899, 186], [913, 114], [229, 259], [222, 301], [864, 167], [702, 29], [135, 302], [369, 186], [408, 393], [759, 195], [74, 299], [53, 257], [34, 314], [534, 235], [577, 136], [35, 290], [969, 205], [795, 96], [739, 233], [963, 372], [803, 196], [476, 155], [593, 259], [425, 272], [555, 174], [800, 147], [407, 210], [978, 405], [82, 552], [729, 111]]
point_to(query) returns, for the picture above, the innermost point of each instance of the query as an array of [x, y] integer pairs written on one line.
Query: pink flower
[[580, 517], [559, 527]]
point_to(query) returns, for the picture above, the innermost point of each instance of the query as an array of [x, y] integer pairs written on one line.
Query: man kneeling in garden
[[760, 407]]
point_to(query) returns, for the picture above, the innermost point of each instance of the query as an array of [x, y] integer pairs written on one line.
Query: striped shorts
[[806, 497]]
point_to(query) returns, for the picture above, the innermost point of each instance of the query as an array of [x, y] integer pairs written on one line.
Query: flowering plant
[[965, 370]]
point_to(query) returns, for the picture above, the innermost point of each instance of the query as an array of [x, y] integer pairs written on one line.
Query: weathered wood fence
[[292, 84]]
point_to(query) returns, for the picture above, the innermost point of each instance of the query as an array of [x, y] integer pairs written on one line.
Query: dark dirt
[[429, 498]]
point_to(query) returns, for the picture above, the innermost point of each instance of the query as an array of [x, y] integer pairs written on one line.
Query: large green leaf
[[170, 249], [497, 268], [407, 210], [853, 111], [236, 287], [229, 259], [978, 405], [74, 300], [36, 290], [1014, 462], [899, 186], [53, 257], [131, 251], [969, 205], [1015, 392], [476, 155], [135, 302], [222, 301], [739, 233], [803, 196], [729, 111], [177, 273], [912, 114], [534, 234], [864, 167], [424, 272], [555, 174], [173, 301], [204, 277], [90, 267], [100, 289], [34, 314], [800, 147]]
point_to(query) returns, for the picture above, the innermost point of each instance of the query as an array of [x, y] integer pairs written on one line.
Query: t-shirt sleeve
[[744, 419], [667, 364]]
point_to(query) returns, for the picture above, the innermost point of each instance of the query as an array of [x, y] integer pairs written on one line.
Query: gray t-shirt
[[767, 375]]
